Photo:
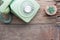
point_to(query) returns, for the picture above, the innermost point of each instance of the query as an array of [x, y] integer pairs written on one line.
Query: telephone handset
[[5, 5], [4, 9]]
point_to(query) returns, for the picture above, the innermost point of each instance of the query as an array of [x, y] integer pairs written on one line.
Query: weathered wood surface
[[42, 27]]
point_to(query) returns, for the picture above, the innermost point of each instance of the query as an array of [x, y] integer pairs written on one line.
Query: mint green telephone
[[24, 9]]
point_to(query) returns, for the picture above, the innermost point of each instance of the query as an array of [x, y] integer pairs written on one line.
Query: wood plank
[[29, 32], [42, 27]]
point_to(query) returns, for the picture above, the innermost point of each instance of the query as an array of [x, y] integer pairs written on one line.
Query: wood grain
[[41, 27]]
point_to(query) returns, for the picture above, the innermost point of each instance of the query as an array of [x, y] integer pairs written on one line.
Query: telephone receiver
[[4, 6], [4, 9]]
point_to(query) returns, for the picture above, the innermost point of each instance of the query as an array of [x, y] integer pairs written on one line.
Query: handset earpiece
[[4, 5]]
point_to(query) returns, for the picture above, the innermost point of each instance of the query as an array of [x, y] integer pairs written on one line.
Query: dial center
[[28, 8]]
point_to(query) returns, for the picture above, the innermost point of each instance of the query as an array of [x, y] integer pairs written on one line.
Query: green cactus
[[51, 10]]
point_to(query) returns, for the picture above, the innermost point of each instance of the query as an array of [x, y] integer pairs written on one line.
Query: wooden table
[[42, 27]]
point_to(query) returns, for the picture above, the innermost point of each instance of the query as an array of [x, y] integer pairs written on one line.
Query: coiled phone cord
[[7, 20]]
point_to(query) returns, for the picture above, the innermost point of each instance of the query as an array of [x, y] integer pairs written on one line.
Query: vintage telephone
[[24, 9]]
